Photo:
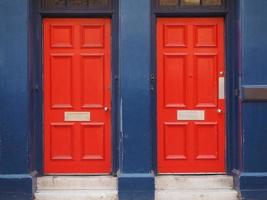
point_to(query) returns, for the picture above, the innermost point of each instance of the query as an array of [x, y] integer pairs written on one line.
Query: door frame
[[231, 74], [36, 57]]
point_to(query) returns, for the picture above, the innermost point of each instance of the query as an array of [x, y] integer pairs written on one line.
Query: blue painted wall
[[134, 62], [254, 72], [14, 87], [255, 137], [135, 178], [15, 180], [254, 43], [252, 174]]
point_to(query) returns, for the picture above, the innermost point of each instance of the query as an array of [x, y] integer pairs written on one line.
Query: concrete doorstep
[[76, 188], [105, 188], [195, 188]]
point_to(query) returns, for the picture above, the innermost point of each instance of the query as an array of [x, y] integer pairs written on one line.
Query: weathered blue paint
[[14, 101], [251, 178], [134, 67]]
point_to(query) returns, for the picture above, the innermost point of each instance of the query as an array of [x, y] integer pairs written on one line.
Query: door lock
[[106, 109]]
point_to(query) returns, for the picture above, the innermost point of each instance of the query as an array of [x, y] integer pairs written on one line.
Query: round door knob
[[219, 111], [106, 109]]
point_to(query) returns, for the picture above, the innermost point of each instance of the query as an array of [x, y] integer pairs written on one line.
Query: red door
[[190, 95], [77, 102]]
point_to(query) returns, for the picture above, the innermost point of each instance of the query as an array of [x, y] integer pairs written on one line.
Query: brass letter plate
[[77, 116], [191, 115]]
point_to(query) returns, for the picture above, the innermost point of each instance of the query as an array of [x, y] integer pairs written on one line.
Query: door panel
[[77, 104], [190, 64]]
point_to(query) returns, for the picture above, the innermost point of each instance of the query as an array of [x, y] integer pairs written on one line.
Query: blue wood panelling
[[14, 87]]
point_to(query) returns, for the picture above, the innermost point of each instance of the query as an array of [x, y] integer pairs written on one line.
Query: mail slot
[[77, 116], [190, 115]]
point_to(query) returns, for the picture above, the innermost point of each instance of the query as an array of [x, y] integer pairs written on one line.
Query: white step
[[76, 195], [77, 183], [216, 194], [194, 182]]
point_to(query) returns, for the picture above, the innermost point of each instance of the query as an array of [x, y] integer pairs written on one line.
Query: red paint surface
[[190, 57], [77, 78]]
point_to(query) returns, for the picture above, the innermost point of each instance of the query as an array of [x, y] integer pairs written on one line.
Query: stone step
[[77, 183], [194, 182], [76, 195], [216, 194]]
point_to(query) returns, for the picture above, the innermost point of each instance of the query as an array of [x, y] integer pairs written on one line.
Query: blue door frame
[[38, 16], [232, 74]]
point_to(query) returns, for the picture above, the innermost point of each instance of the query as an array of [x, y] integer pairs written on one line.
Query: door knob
[[106, 109], [219, 110]]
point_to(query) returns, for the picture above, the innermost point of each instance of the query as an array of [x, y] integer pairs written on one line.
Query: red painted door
[[190, 95], [77, 104]]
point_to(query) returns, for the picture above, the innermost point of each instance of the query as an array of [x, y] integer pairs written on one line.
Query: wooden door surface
[[190, 95], [77, 95]]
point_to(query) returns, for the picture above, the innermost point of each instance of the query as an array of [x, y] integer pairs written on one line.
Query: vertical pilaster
[[251, 178], [136, 180], [15, 181]]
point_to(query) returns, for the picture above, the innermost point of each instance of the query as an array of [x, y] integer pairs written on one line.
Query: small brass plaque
[[77, 116], [190, 115]]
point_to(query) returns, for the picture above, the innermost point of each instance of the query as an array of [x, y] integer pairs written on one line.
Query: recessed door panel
[[191, 108], [93, 83], [61, 80], [206, 80], [175, 136], [174, 65], [77, 127]]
